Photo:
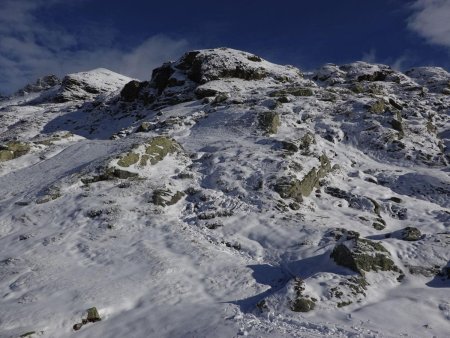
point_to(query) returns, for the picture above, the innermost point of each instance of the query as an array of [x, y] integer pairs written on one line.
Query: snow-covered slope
[[227, 196]]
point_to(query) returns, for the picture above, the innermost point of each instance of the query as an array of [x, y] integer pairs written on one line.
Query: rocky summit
[[227, 196]]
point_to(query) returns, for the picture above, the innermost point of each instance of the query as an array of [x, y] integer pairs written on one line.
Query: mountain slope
[[227, 196]]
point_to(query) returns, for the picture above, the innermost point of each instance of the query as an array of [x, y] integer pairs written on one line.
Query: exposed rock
[[422, 270], [165, 197], [411, 234], [128, 160], [159, 147], [12, 150], [145, 127], [161, 77], [269, 122], [295, 91], [93, 315], [291, 187], [362, 255], [131, 90], [300, 302], [377, 107], [41, 84], [354, 201]]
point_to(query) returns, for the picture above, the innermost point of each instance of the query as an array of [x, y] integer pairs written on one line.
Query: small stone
[[93, 315], [396, 199], [77, 326]]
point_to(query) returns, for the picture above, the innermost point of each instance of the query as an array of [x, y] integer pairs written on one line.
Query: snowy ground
[[223, 260]]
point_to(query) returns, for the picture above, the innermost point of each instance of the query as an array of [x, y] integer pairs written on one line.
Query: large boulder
[[363, 255]]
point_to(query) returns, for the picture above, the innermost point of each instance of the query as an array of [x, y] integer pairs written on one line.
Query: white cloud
[[30, 48], [431, 20]]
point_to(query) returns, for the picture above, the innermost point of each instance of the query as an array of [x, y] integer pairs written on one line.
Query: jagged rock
[[301, 303], [165, 197], [289, 146], [93, 315], [202, 92], [305, 143], [269, 122], [411, 234], [377, 107], [354, 201], [379, 224], [41, 84], [362, 255], [288, 187], [397, 125], [161, 77], [295, 91], [344, 234], [145, 127], [422, 270], [131, 90]]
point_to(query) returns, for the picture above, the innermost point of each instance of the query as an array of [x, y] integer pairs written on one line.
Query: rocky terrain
[[227, 196]]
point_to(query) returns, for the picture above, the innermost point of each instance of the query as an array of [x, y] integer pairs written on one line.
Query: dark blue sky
[[133, 36]]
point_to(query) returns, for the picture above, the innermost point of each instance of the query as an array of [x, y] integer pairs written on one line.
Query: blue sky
[[39, 37]]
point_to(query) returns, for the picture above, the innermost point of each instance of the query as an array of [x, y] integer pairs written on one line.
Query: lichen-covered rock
[[93, 315], [295, 91], [302, 305], [128, 160], [362, 255], [377, 107], [411, 234], [12, 150], [291, 187], [269, 122], [6, 155], [159, 147], [300, 302], [153, 151]]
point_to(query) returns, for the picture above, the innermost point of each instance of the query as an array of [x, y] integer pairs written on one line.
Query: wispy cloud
[[30, 48], [431, 20], [370, 56], [400, 63]]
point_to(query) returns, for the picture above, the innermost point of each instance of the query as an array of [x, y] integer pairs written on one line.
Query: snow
[[199, 267]]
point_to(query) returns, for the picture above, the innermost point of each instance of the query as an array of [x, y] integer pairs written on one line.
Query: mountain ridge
[[228, 196]]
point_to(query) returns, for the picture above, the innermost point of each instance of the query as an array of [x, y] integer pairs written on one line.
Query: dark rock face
[[131, 90], [161, 77]]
